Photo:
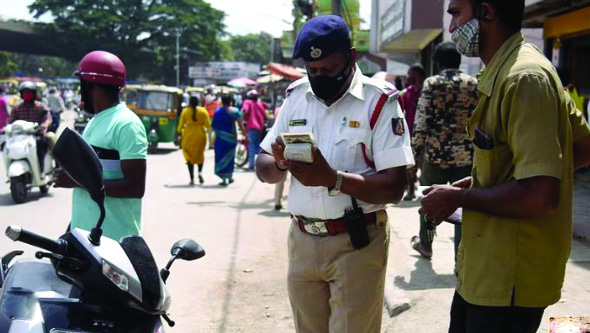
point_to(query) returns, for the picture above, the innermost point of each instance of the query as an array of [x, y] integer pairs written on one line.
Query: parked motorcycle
[[22, 163], [90, 283], [81, 120]]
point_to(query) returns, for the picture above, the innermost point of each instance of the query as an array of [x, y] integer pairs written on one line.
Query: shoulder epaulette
[[299, 83], [383, 87]]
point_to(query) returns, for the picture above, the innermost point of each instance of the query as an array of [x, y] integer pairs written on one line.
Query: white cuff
[[392, 158]]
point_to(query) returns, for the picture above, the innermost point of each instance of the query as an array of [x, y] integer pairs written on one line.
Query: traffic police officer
[[361, 151]]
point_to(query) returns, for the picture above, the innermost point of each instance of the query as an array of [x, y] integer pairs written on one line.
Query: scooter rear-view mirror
[[187, 249], [81, 163]]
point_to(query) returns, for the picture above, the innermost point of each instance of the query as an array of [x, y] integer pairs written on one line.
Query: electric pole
[[177, 58]]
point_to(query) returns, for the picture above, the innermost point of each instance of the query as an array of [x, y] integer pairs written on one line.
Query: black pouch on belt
[[356, 226]]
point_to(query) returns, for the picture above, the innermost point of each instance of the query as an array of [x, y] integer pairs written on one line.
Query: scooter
[[21, 161], [81, 120], [90, 283]]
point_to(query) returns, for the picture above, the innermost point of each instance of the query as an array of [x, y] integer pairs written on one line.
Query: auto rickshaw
[[159, 109], [129, 95]]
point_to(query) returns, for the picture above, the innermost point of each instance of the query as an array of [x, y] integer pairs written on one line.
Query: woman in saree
[[226, 139], [194, 124]]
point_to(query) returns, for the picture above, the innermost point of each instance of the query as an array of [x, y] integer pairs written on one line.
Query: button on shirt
[[339, 132], [524, 111]]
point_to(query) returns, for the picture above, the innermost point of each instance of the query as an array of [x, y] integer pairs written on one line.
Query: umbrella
[[290, 73], [242, 82], [270, 78]]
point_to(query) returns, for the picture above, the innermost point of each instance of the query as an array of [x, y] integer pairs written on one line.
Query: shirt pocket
[[348, 153], [493, 166]]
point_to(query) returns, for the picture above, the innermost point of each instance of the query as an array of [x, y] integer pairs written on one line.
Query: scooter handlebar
[[16, 233]]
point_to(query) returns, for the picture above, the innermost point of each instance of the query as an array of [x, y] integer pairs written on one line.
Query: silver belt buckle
[[317, 228]]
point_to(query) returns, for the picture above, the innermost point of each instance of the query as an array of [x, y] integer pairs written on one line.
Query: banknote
[[290, 138]]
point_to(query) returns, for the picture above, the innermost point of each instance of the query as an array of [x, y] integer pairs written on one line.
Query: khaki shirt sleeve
[[530, 112], [580, 127]]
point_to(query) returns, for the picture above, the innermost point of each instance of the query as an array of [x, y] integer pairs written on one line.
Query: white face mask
[[466, 38]]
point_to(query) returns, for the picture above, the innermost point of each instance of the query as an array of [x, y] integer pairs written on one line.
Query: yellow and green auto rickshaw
[[159, 109]]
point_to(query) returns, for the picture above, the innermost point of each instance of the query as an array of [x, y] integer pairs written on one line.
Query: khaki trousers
[[334, 288]]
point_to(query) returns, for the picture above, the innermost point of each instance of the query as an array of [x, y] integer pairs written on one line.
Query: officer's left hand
[[439, 203], [318, 173]]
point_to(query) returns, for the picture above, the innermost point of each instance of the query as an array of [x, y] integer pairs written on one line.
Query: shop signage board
[[392, 21], [224, 70]]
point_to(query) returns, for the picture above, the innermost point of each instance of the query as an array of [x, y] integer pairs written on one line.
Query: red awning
[[290, 73]]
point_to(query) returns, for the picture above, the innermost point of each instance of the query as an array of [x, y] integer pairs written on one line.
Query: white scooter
[[21, 162]]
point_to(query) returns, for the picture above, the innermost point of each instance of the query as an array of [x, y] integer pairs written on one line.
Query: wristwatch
[[336, 190]]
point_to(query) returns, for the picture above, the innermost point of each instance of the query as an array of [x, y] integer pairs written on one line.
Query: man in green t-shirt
[[118, 137], [517, 206]]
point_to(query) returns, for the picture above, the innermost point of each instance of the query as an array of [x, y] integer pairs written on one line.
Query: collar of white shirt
[[355, 88]]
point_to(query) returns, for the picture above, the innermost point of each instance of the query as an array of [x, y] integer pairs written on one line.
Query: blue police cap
[[320, 37]]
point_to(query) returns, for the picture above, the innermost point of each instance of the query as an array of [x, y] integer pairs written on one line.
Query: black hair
[[447, 56], [509, 12], [226, 100], [418, 69], [193, 101]]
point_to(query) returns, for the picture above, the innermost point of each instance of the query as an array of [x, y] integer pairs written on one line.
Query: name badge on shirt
[[297, 122]]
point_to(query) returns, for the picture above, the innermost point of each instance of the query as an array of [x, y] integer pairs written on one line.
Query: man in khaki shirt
[[517, 206]]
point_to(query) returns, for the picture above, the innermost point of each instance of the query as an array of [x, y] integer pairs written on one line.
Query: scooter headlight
[[116, 276]]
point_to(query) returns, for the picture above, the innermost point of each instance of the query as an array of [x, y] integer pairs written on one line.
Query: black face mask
[[85, 91], [326, 87]]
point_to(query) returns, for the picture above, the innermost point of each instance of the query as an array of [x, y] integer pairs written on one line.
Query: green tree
[[252, 47], [227, 53], [7, 64], [142, 32]]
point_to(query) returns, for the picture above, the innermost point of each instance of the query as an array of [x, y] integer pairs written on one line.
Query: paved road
[[240, 286]]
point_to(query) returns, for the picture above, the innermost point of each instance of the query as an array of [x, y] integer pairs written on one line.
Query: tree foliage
[[7, 64], [142, 32], [252, 47]]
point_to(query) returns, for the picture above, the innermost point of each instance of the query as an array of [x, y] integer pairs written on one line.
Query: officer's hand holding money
[[439, 202], [278, 150], [317, 173]]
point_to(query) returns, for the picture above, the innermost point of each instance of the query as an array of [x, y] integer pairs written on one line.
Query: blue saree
[[226, 140]]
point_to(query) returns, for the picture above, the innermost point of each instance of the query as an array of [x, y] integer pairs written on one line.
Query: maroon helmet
[[102, 67]]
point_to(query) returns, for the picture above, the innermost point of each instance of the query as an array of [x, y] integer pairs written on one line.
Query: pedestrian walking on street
[[410, 96], [211, 102], [339, 236], [226, 139], [118, 138], [517, 208], [193, 126], [440, 142], [255, 116]]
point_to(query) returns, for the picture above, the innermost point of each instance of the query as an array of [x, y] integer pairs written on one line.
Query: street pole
[[178, 58], [337, 7]]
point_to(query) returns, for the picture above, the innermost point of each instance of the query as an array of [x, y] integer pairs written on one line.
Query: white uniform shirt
[[338, 132]]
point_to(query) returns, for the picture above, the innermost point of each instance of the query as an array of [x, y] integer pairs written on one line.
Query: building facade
[[566, 34]]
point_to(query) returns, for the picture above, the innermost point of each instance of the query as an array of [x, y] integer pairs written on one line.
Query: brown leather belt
[[324, 228]]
